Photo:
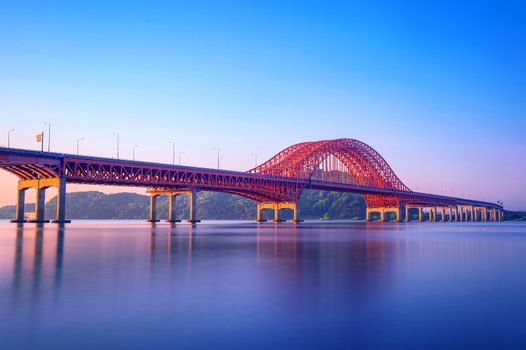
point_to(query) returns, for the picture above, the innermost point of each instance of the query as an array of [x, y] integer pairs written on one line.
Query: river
[[131, 285]]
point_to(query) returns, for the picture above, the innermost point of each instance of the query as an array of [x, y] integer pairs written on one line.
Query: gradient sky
[[437, 89]]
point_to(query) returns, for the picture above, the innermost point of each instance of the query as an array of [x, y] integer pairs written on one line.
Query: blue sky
[[438, 89]]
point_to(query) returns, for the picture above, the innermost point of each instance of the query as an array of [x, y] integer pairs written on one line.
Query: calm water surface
[[130, 285]]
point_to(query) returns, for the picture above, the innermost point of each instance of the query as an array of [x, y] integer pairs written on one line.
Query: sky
[[438, 89]]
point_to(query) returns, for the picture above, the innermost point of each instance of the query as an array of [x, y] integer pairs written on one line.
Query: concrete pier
[[277, 207]]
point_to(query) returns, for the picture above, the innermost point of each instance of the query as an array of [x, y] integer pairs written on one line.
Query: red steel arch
[[342, 160]]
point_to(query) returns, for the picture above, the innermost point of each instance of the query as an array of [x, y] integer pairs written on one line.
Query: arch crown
[[342, 160]]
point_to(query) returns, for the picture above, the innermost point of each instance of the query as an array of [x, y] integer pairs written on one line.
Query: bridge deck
[[80, 169]]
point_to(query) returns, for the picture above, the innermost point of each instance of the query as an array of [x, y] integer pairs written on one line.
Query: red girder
[[351, 161], [123, 173]]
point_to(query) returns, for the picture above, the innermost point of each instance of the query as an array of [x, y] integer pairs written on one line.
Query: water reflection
[[37, 268], [239, 285], [353, 266]]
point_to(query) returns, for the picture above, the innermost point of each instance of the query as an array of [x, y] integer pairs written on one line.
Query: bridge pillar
[[172, 217], [267, 205], [40, 185], [296, 217], [286, 205], [431, 214], [20, 206], [499, 215], [153, 208], [443, 211], [40, 204], [484, 214], [172, 194], [193, 206], [407, 217], [276, 213], [277, 207], [61, 202], [400, 213], [258, 213], [460, 213]]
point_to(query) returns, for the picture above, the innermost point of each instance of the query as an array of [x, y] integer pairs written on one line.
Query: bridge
[[344, 165]]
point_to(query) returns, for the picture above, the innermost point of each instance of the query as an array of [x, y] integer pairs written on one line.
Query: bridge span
[[344, 165]]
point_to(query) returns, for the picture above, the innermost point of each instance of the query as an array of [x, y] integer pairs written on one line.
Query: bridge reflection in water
[[242, 283]]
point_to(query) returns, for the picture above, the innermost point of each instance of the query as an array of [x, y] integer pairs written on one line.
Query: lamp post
[[118, 141], [48, 135], [173, 151], [255, 159], [217, 149], [78, 141], [9, 137], [180, 157], [134, 147], [41, 141]]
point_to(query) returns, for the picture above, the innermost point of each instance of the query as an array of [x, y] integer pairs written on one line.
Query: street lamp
[[134, 147], [118, 140], [78, 141], [9, 137], [173, 151], [48, 135], [180, 157], [217, 149], [255, 159]]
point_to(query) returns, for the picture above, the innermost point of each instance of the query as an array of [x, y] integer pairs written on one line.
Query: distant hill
[[515, 215], [210, 205]]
